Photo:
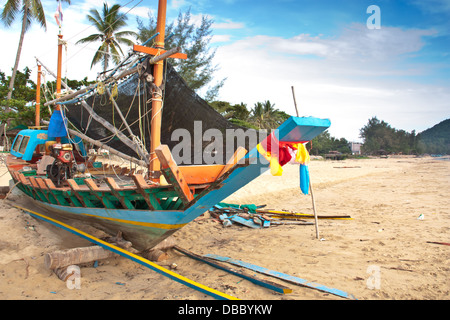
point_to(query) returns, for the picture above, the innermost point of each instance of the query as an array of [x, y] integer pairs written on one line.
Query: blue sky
[[341, 69]]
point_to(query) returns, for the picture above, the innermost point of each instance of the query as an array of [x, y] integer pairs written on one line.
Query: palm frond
[[91, 38], [10, 11], [37, 12], [99, 54]]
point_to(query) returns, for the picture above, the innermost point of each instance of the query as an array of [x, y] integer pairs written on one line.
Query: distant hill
[[436, 140]]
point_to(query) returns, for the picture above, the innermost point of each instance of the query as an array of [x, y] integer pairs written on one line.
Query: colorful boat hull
[[146, 228]]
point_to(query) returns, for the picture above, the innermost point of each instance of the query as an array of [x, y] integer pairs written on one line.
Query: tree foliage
[[198, 69], [22, 102], [324, 143], [380, 137], [108, 23], [264, 115], [436, 140]]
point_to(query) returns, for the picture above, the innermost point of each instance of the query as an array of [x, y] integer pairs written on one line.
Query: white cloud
[[220, 38], [140, 11], [176, 4], [348, 79], [228, 24]]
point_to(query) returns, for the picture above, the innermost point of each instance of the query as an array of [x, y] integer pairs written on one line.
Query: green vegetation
[[264, 115], [380, 138], [324, 143], [20, 110], [198, 69], [436, 140]]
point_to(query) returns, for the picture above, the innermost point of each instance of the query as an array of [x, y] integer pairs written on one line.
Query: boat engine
[[61, 169]]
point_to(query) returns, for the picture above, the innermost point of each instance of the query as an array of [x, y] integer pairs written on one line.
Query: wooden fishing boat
[[145, 205]]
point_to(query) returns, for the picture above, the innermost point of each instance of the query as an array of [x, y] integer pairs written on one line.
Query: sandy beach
[[384, 197]]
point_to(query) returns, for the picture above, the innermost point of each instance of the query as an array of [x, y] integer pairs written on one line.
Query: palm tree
[[30, 10], [107, 24], [266, 116]]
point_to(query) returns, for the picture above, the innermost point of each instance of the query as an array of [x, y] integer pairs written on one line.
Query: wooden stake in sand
[[314, 209], [310, 186]]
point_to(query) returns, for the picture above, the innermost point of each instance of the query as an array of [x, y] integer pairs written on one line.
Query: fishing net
[[193, 130]]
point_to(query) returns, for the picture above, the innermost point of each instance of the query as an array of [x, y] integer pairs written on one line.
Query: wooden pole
[[295, 102], [64, 258], [310, 186], [38, 97], [53, 74], [314, 209], [58, 76], [58, 71], [157, 97]]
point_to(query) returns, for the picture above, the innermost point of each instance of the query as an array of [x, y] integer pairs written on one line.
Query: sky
[[348, 60]]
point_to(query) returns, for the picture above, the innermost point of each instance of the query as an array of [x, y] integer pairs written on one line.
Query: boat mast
[[58, 75], [58, 71], [38, 97], [155, 139]]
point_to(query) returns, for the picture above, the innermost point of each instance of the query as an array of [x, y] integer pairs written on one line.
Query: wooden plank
[[201, 174], [298, 215], [142, 188], [154, 52], [14, 175], [442, 243], [84, 201], [58, 193], [74, 256], [119, 194], [99, 194], [246, 222], [38, 190], [173, 174], [27, 186], [23, 179], [281, 275], [264, 283], [49, 195]]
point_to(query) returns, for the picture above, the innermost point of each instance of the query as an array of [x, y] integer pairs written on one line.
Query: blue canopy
[[57, 127]]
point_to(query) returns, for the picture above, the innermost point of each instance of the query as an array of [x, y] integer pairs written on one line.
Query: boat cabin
[[26, 142]]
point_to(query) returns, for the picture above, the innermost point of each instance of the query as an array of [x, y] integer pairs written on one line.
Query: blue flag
[[304, 178]]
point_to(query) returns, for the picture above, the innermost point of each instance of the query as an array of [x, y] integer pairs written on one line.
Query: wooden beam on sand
[[264, 283], [280, 275], [442, 243], [297, 215], [64, 258]]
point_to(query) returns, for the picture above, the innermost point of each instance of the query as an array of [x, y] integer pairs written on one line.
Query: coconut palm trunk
[[19, 51]]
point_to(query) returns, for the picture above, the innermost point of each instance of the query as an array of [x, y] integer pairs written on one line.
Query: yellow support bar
[[147, 263]]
